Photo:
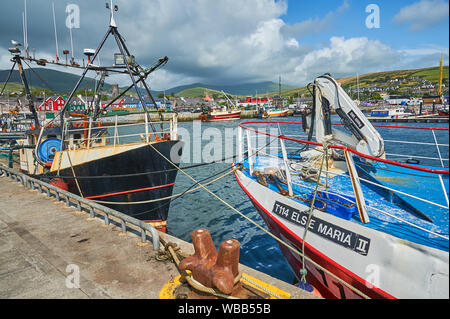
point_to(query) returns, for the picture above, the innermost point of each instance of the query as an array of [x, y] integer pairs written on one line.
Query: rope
[[303, 271], [39, 77], [164, 198], [73, 172], [172, 249], [264, 230], [187, 190], [143, 173], [261, 287]]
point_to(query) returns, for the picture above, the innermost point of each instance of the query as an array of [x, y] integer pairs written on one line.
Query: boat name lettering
[[356, 119], [336, 234]]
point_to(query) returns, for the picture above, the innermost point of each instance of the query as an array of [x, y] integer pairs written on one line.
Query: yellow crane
[[440, 75]]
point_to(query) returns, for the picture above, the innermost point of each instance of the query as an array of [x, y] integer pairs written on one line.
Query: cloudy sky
[[237, 41]]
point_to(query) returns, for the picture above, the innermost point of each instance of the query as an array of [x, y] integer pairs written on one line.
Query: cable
[[262, 228], [138, 174]]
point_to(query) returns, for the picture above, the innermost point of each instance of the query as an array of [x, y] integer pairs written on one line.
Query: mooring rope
[[262, 228]]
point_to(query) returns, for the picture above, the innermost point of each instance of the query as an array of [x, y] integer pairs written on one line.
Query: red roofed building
[[52, 104]]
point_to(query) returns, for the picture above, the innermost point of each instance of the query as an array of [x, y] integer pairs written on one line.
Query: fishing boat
[[275, 112], [300, 110], [351, 219], [443, 111], [218, 114], [391, 113], [125, 167]]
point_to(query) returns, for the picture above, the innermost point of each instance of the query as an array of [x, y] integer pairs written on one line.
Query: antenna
[[56, 35], [109, 6], [26, 28], [24, 32]]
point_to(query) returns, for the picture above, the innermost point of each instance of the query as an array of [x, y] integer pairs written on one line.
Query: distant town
[[372, 90]]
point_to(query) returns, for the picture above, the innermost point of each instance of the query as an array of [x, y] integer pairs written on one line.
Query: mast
[[71, 45], [56, 34], [357, 84], [26, 29], [28, 98], [130, 67], [279, 88]]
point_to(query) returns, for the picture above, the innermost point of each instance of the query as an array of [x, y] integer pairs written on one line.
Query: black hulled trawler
[[127, 167]]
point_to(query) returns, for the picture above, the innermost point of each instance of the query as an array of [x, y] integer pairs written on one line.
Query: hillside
[[63, 82], [59, 82], [15, 87], [409, 78], [407, 81], [197, 89]]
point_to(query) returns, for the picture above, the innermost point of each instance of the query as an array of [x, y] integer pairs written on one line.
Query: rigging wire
[[262, 228]]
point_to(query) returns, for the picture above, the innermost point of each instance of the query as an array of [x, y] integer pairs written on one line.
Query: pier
[[411, 119], [48, 236]]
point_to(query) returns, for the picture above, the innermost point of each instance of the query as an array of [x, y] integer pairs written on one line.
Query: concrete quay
[[45, 244]]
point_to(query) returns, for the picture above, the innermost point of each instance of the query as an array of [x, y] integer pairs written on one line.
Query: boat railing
[[279, 153], [143, 131]]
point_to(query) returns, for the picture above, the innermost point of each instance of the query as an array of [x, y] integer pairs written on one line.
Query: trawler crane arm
[[359, 135]]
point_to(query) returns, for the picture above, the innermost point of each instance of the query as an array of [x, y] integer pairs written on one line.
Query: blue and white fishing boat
[[352, 220]]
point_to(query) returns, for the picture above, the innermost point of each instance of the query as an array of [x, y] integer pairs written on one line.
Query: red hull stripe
[[374, 125], [226, 116], [312, 249], [130, 191]]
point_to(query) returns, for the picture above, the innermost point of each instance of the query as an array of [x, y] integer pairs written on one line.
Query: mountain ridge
[[62, 82]]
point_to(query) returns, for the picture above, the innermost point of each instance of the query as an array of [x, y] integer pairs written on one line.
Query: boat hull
[[221, 116], [274, 114], [377, 264], [136, 174]]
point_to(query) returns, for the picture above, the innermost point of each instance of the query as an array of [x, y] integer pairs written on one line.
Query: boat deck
[[431, 233], [41, 240]]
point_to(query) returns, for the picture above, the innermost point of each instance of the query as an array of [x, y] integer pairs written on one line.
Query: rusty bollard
[[227, 266], [208, 267], [204, 258]]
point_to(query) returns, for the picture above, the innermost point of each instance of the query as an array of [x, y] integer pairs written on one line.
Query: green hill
[[63, 82], [56, 81], [407, 81], [409, 78]]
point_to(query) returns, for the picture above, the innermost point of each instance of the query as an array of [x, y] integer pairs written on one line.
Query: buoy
[[309, 288], [60, 183]]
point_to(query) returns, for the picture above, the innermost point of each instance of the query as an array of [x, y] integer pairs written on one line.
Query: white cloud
[[344, 57], [229, 42], [422, 14]]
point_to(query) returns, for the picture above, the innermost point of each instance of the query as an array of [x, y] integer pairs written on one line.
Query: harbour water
[[199, 209]]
